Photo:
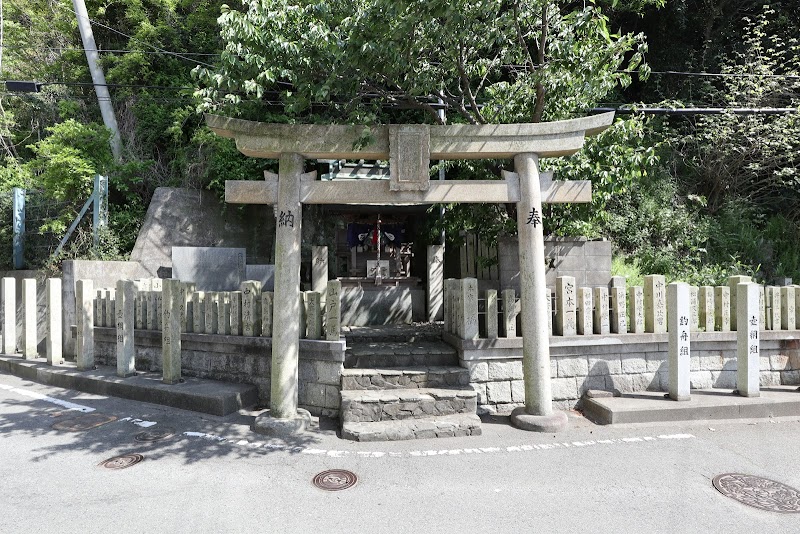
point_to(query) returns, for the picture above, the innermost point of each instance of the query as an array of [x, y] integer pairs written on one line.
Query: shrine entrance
[[409, 149]]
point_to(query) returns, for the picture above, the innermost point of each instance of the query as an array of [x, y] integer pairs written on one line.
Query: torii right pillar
[[537, 415]]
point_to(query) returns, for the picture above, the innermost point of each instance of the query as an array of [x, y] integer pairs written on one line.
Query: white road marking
[[139, 422], [440, 452], [38, 396]]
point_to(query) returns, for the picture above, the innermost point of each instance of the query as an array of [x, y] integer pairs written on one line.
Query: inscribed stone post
[[251, 316], [566, 306], [303, 315], [159, 308], [187, 288], [762, 308], [435, 282], [319, 269], [509, 313], [748, 348], [224, 313], [29, 337], [110, 307], [796, 304], [124, 309], [53, 318], [733, 283], [617, 281], [787, 308], [491, 313], [153, 317], [636, 303], [84, 317], [447, 305], [333, 311], [550, 310], [266, 314], [585, 311], [705, 296], [774, 297], [679, 309], [469, 308], [722, 308], [139, 310], [100, 308], [171, 300], [619, 311], [655, 304], [313, 315], [211, 309], [694, 318], [601, 314], [9, 315], [236, 313], [198, 312]]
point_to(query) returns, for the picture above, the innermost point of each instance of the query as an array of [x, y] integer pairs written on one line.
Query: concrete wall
[[588, 261], [180, 217], [626, 363], [240, 359]]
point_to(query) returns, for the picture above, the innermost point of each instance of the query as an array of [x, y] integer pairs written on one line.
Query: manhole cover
[[149, 436], [83, 422], [335, 480], [121, 462], [759, 492]]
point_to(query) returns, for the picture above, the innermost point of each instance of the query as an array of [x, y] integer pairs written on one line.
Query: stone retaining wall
[[240, 359], [624, 363]]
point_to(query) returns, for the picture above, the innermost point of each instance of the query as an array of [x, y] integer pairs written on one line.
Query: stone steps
[[404, 378], [360, 406], [387, 354], [444, 426]]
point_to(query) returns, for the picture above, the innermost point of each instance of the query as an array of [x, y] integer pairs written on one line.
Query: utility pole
[[99, 80]]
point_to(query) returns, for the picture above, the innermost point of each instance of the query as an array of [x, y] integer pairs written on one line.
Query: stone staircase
[[398, 390]]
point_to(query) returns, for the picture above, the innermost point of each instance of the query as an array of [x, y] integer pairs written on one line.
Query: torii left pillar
[[284, 417]]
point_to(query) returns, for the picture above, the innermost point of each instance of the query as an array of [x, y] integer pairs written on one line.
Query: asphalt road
[[214, 475]]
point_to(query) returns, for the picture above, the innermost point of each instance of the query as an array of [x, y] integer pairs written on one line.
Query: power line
[[718, 74], [697, 111], [115, 51]]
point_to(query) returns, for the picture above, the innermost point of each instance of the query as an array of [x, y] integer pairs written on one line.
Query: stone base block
[[556, 422], [279, 427], [404, 378], [396, 404], [444, 426]]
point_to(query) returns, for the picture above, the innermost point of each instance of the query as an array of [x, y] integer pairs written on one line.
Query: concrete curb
[[198, 395]]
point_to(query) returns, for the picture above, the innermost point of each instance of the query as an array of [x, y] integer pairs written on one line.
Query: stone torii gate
[[409, 149]]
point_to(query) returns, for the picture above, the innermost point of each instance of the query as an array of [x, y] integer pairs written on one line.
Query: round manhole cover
[[121, 462], [759, 492], [149, 436], [83, 422], [335, 480]]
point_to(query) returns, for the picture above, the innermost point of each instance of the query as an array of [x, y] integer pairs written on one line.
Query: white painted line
[[38, 396], [139, 422], [441, 452]]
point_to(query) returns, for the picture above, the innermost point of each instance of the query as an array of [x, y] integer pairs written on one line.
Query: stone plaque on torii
[[409, 149]]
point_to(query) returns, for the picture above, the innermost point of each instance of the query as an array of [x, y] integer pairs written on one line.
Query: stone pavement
[[705, 404]]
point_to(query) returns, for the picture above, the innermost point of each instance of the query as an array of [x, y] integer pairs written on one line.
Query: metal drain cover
[[149, 436], [759, 492], [83, 422], [335, 480], [121, 462]]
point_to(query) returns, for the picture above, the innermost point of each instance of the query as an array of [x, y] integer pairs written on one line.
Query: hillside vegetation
[[695, 196]]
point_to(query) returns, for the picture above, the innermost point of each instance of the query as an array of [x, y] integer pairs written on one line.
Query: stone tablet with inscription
[[210, 268]]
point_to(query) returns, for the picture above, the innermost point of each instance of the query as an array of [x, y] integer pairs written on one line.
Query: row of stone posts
[[169, 306], [618, 309], [748, 350]]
